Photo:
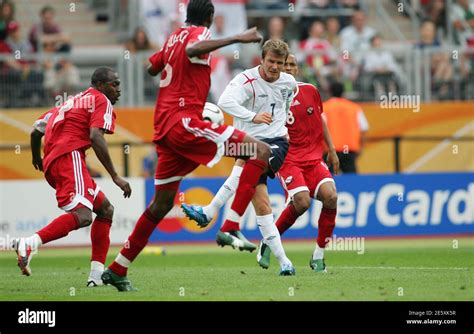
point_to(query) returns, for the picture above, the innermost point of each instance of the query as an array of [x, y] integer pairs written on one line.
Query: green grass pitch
[[394, 270]]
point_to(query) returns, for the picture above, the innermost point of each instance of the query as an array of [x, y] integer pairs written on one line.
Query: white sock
[[225, 193], [122, 260], [318, 253], [233, 216], [97, 269], [272, 239], [34, 241]]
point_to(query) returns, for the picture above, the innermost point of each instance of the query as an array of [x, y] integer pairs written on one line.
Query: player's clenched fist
[[250, 36]]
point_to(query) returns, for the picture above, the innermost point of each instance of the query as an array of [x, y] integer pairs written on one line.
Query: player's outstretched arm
[[99, 145], [153, 71], [203, 47], [332, 155], [35, 141]]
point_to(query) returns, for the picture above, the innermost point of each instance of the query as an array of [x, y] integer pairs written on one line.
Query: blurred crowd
[[332, 40], [28, 80], [334, 43]]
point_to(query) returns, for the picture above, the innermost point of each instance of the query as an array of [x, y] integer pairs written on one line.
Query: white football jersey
[[248, 94]]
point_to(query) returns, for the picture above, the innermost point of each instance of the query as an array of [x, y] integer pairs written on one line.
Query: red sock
[[100, 238], [287, 218], [326, 224], [145, 226], [251, 173], [230, 226], [59, 228]]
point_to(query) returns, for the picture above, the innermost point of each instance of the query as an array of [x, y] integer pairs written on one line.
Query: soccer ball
[[213, 114]]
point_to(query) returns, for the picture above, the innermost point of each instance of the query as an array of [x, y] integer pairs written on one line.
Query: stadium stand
[[99, 31]]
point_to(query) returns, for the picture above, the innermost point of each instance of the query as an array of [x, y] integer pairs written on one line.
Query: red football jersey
[[185, 81], [304, 125], [68, 125]]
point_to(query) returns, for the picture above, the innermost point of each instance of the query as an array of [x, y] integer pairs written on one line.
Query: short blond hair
[[276, 46]]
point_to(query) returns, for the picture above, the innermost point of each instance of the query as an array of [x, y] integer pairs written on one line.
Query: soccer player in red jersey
[[304, 175], [69, 130], [183, 140]]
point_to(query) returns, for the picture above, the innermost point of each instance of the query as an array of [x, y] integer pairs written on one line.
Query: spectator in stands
[[268, 4], [7, 14], [319, 4], [319, 54], [16, 43], [436, 12], [441, 67], [462, 18], [355, 39], [381, 67], [235, 14], [140, 42], [276, 29], [20, 77], [221, 30], [48, 31], [347, 125], [348, 4], [61, 77], [223, 60], [157, 18], [332, 32]]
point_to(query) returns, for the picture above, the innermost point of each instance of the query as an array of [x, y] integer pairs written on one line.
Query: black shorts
[[279, 147]]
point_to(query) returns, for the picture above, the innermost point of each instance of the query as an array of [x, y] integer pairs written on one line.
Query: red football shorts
[[74, 186], [308, 177], [190, 143]]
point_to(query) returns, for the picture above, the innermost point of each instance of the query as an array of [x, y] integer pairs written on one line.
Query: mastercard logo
[[176, 220]]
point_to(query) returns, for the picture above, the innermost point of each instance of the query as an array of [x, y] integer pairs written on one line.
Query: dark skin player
[[107, 82]]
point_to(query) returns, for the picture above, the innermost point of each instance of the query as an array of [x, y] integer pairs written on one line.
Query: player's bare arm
[[333, 160], [203, 47], [35, 141], [99, 145], [153, 71]]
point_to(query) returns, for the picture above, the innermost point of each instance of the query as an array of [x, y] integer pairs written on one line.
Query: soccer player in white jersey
[[304, 175], [258, 99]]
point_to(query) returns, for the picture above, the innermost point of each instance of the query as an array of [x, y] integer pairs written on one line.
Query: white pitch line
[[127, 133], [16, 124], [403, 268], [27, 128], [438, 148]]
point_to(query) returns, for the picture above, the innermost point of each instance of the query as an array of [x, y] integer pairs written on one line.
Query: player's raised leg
[[204, 214], [229, 233], [326, 223], [100, 238]]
